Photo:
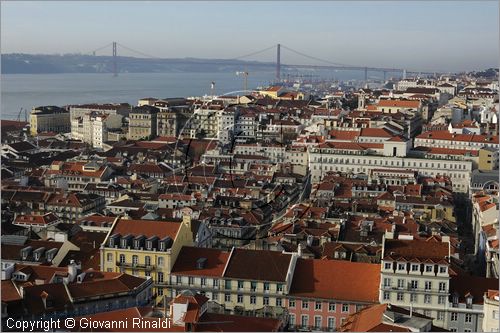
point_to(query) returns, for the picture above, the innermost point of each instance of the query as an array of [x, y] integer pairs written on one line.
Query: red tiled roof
[[148, 228], [356, 282], [398, 103], [431, 248], [36, 219], [376, 132], [186, 262], [258, 265]]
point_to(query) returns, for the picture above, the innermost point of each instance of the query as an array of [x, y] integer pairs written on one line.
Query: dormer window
[[443, 269], [401, 267], [428, 268], [149, 245], [468, 302], [388, 265]]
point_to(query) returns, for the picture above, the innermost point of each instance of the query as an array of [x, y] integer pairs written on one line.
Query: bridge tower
[[115, 65], [278, 63]]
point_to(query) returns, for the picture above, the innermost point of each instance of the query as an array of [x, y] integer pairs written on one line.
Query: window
[[331, 323], [401, 283], [331, 307], [305, 304], [292, 319], [253, 285], [291, 303], [454, 316], [414, 267], [147, 260], [215, 296], [122, 258], [240, 298], [317, 306], [453, 329], [387, 296], [387, 265], [442, 269], [266, 286], [203, 281], [467, 330], [428, 268], [317, 322], [227, 284], [413, 297], [161, 261], [266, 300], [279, 287], [240, 284], [227, 297], [345, 308], [160, 291], [253, 299], [215, 283], [190, 280], [304, 321], [440, 315], [468, 318], [414, 284], [401, 267], [428, 285], [400, 297], [442, 286], [441, 300], [160, 277], [495, 314], [279, 302], [109, 257], [427, 299], [178, 279]]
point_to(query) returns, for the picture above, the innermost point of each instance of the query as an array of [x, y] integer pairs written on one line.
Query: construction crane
[[245, 75], [25, 115]]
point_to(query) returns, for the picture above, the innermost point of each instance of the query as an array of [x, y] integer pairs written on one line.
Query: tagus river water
[[29, 90]]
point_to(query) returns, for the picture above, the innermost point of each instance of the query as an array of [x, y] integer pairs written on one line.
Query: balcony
[[135, 266]]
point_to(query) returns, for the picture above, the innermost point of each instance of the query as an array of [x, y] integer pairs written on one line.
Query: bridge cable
[[315, 58], [138, 52], [253, 53]]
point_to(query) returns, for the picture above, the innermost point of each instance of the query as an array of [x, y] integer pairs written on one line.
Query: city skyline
[[358, 33]]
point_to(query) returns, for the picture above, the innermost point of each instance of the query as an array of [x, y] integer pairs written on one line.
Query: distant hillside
[[16, 63]]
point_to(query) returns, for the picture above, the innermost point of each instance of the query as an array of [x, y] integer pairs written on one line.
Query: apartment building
[[70, 207], [357, 159], [242, 281], [491, 311], [78, 111], [266, 282], [417, 273], [446, 139], [325, 292], [145, 248], [143, 122], [92, 128], [76, 175], [49, 119]]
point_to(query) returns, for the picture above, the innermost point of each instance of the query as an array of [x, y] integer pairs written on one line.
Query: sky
[[420, 35]]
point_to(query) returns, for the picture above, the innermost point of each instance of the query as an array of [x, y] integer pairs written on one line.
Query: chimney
[[300, 249], [72, 271]]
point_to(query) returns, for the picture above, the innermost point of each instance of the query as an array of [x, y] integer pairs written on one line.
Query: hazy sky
[[451, 35]]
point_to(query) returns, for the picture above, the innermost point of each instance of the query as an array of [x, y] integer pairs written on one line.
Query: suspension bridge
[[324, 64]]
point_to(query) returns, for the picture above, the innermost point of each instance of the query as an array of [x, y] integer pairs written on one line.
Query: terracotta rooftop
[[356, 282], [188, 256], [258, 265], [148, 228]]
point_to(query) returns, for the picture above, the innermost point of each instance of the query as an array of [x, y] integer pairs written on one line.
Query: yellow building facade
[[145, 248]]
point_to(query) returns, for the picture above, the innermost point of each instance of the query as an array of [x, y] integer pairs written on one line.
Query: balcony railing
[[135, 265]]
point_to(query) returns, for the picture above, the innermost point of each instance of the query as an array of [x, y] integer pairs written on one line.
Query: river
[[29, 90]]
